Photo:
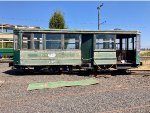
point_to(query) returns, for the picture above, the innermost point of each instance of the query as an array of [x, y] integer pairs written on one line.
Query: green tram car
[[76, 49], [6, 46]]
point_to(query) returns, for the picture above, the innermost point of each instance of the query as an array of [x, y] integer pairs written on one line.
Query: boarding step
[[123, 66], [87, 68]]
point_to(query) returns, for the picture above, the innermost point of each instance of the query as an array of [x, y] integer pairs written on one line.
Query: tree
[[57, 21]]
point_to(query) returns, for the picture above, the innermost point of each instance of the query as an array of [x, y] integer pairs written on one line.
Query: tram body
[[68, 49], [6, 45]]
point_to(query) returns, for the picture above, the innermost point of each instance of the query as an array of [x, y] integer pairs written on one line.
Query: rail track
[[107, 73], [102, 73], [98, 73]]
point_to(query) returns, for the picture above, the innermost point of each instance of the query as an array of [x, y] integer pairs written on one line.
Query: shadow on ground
[[101, 73]]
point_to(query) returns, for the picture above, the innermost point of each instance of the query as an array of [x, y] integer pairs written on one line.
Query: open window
[[126, 46]]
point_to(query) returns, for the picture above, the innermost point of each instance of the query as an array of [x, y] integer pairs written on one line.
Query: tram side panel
[[105, 57], [104, 50], [47, 58], [67, 53]]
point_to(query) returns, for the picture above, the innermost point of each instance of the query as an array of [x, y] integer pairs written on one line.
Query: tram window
[[71, 41], [38, 41], [53, 41], [0, 43], [130, 43], [111, 45], [71, 46], [53, 45], [7, 44], [124, 44], [117, 44], [105, 41], [26, 41], [99, 45]]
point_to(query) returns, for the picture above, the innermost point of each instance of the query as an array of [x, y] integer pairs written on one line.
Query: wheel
[[56, 70], [122, 71]]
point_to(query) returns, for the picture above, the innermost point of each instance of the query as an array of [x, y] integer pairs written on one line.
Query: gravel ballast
[[113, 94]]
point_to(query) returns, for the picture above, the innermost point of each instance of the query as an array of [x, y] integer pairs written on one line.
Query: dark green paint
[[138, 57], [17, 57], [87, 47], [6, 51]]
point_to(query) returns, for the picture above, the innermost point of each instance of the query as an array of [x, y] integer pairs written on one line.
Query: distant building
[[9, 27], [6, 30]]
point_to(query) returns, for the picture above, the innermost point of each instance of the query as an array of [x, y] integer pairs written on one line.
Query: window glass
[[71, 41], [105, 41], [99, 45], [7, 44], [53, 41], [26, 41], [38, 41], [53, 45], [130, 43], [117, 44], [1, 44], [53, 36], [124, 44]]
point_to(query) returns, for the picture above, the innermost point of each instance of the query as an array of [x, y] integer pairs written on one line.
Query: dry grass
[[143, 67], [145, 53], [146, 62]]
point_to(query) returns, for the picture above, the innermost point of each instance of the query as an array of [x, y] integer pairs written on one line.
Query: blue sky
[[125, 15]]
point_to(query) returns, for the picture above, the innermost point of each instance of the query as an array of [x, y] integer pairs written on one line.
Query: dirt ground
[[143, 67], [113, 94]]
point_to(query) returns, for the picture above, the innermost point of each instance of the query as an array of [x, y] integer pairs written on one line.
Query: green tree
[[57, 21]]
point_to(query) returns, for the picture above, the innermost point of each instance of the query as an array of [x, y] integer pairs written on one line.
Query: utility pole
[[98, 8]]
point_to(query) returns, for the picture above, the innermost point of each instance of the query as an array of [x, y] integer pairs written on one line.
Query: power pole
[[98, 8]]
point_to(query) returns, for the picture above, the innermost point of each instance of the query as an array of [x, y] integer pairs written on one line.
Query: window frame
[[29, 41], [137, 41], [39, 40], [53, 41], [15, 40], [110, 41], [78, 41]]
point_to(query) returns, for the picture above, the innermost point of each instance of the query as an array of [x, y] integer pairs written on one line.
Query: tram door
[[87, 49]]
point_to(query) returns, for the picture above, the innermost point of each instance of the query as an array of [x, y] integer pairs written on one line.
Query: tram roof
[[79, 31]]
